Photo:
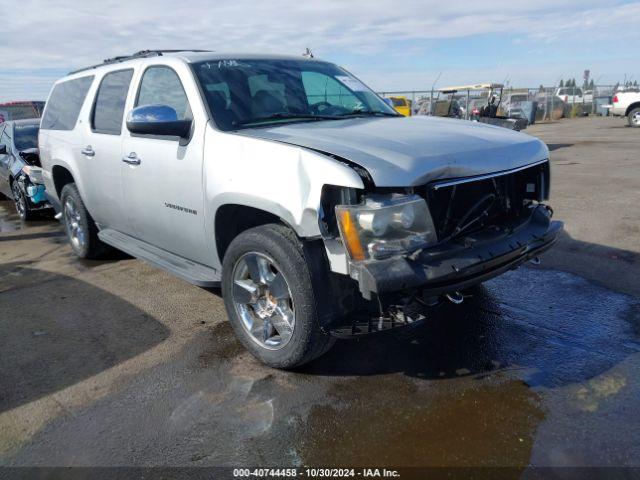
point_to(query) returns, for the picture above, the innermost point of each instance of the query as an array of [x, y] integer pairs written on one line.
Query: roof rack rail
[[140, 54]]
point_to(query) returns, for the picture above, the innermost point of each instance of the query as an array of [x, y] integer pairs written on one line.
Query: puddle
[[382, 422], [223, 345], [469, 387]]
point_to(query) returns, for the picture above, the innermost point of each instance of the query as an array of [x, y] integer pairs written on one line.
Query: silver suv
[[318, 209]]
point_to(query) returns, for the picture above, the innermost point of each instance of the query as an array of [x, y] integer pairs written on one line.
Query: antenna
[[436, 80], [307, 53]]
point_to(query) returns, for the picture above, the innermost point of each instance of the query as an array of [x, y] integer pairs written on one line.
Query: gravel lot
[[118, 363]]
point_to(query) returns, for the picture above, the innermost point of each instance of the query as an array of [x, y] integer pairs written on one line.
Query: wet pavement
[[117, 363]]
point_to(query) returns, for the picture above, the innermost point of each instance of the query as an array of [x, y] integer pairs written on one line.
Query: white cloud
[[42, 33], [73, 33]]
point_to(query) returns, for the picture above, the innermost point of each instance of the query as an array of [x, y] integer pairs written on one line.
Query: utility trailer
[[489, 112]]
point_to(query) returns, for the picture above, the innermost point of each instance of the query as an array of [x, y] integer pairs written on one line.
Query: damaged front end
[[28, 181], [411, 248]]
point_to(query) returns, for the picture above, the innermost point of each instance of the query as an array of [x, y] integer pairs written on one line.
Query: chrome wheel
[[635, 118], [19, 200], [262, 299], [73, 223]]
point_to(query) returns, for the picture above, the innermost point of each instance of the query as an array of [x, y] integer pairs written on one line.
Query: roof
[[192, 56], [477, 86], [24, 121]]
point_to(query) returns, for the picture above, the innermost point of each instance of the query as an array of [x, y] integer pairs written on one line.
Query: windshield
[[251, 93], [26, 136]]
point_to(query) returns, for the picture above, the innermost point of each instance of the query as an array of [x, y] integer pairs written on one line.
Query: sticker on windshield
[[351, 83], [220, 64]]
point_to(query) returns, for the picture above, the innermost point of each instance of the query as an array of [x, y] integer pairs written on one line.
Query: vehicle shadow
[[57, 330]]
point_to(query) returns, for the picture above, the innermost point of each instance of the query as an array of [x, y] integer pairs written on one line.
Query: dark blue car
[[20, 172]]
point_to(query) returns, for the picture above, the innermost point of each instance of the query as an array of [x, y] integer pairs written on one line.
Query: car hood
[[411, 151]]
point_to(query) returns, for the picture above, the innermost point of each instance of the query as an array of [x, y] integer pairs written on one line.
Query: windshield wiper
[[286, 116], [370, 113]]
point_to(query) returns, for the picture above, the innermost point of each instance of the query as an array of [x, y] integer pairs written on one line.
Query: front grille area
[[470, 205]]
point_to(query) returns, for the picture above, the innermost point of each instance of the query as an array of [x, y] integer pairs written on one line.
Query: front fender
[[280, 179]]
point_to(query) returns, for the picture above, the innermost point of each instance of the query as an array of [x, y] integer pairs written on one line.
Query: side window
[[108, 110], [322, 88], [65, 102], [162, 86]]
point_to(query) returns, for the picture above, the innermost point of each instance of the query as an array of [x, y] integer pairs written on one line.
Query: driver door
[[162, 177]]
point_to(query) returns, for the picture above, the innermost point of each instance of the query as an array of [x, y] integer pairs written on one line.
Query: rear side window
[[161, 86], [108, 110], [65, 102]]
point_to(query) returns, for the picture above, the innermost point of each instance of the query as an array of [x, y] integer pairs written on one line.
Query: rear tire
[[275, 253], [82, 232], [634, 117]]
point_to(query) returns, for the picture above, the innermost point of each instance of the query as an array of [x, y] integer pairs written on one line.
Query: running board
[[192, 272]]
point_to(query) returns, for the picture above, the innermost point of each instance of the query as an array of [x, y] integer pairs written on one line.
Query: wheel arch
[[61, 176], [631, 107], [231, 219]]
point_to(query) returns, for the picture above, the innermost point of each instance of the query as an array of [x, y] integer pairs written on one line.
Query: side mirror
[[3, 149], [157, 120]]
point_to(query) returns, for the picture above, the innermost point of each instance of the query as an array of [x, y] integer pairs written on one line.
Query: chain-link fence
[[536, 104]]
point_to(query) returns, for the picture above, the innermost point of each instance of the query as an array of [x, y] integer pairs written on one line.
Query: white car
[[318, 209], [627, 104]]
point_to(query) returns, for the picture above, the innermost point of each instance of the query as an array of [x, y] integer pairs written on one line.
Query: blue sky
[[389, 44]]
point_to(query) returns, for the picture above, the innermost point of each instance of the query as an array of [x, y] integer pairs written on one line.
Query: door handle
[[132, 159], [88, 151]]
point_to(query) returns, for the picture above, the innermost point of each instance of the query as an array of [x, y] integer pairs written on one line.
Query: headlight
[[34, 173], [385, 225]]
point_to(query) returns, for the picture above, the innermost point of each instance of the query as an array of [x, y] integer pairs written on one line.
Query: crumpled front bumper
[[460, 264]]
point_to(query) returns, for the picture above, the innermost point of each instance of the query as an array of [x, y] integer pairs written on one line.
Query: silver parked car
[[319, 210]]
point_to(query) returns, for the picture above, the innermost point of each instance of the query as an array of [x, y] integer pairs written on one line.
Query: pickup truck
[[627, 104], [573, 95], [318, 210]]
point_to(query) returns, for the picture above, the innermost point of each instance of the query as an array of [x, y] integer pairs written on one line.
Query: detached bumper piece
[[464, 262], [34, 192], [397, 311]]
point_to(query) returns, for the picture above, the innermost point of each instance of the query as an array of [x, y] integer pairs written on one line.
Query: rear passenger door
[[164, 188], [102, 151]]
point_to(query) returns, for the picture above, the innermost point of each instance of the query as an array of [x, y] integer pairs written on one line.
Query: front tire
[[634, 117], [268, 293], [21, 203], [82, 232]]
